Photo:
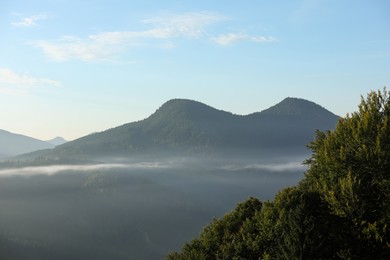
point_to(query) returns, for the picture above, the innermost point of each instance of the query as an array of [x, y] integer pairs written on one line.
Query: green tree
[[350, 168], [340, 210], [305, 228], [223, 238]]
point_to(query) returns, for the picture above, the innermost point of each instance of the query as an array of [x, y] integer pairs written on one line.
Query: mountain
[[296, 106], [183, 126], [57, 141], [12, 144]]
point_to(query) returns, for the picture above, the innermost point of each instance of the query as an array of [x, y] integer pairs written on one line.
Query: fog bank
[[125, 210]]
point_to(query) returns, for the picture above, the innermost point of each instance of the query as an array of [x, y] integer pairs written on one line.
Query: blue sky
[[73, 67]]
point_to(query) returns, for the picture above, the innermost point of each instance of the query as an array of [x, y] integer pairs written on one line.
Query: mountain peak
[[57, 141], [296, 106], [182, 103], [186, 108], [12, 144]]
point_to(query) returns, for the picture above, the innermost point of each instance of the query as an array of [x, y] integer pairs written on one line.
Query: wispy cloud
[[12, 82], [29, 21], [230, 38], [163, 29], [90, 49], [188, 25], [105, 45]]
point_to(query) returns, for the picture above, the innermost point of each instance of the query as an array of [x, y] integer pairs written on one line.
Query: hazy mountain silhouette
[[57, 141], [12, 144], [185, 126]]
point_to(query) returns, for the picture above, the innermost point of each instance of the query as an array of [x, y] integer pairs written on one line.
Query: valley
[[141, 190]]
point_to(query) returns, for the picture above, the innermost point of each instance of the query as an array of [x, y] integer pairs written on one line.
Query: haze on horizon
[[70, 68]]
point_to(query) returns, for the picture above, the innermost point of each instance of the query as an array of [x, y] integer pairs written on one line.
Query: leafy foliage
[[350, 169], [224, 238], [340, 210]]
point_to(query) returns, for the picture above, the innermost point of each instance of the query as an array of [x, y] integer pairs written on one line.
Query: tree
[[304, 227], [223, 238], [340, 210], [350, 168]]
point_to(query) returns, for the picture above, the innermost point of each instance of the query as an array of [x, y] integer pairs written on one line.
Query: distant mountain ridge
[[57, 141], [182, 126], [12, 144]]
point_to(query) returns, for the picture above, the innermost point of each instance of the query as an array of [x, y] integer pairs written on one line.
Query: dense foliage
[[340, 210]]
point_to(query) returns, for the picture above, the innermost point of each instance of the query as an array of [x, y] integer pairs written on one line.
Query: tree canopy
[[341, 209]]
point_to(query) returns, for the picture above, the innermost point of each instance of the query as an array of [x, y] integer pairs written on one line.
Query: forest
[[339, 210]]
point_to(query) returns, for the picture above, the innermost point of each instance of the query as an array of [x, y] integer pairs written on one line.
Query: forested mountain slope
[[187, 127]]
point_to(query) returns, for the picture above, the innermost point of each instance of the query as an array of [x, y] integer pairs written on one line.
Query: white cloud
[[99, 47], [12, 82], [188, 25], [68, 48], [230, 38], [29, 21], [105, 45]]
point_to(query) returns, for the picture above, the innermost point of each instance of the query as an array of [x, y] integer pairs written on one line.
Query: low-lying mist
[[55, 169], [138, 210]]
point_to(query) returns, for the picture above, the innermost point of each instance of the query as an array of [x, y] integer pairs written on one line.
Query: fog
[[138, 210], [55, 169]]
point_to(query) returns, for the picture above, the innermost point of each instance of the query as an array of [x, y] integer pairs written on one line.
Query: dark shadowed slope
[[13, 144], [300, 107], [292, 123], [187, 127]]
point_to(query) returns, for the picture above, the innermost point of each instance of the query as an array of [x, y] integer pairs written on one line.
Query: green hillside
[[189, 127]]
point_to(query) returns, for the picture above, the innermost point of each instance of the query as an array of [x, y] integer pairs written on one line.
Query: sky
[[73, 67]]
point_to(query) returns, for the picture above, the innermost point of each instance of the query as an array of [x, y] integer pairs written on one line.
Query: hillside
[[186, 126], [12, 144]]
